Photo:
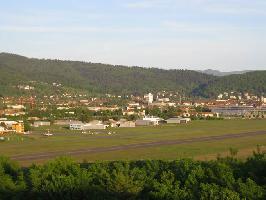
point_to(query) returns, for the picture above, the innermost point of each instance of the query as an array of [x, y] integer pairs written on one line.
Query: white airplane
[[48, 133]]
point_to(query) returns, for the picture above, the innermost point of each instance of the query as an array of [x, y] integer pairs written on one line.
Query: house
[[41, 123], [178, 120]]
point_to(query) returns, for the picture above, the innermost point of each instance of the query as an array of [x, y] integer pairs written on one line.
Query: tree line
[[225, 178]]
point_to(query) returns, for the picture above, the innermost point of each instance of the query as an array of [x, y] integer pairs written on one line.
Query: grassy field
[[66, 140]]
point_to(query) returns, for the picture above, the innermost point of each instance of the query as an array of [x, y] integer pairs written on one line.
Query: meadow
[[64, 140]]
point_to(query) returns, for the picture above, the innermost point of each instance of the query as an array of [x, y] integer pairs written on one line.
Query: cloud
[[237, 9], [196, 27], [72, 29], [147, 4]]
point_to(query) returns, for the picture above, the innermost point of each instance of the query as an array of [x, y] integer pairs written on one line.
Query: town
[[84, 112]]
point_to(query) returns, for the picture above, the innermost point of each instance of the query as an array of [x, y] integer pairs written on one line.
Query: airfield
[[202, 140]]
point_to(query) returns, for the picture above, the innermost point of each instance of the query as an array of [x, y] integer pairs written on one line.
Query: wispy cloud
[[73, 29], [141, 4], [210, 29], [232, 7], [248, 8]]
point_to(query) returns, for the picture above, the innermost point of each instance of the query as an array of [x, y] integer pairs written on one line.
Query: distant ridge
[[116, 79], [219, 73]]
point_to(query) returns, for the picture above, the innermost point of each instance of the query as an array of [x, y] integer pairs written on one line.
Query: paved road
[[48, 155]]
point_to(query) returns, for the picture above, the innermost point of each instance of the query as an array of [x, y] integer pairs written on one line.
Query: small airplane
[[48, 133]]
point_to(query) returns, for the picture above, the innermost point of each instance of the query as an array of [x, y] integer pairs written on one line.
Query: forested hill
[[102, 78], [254, 82], [97, 77]]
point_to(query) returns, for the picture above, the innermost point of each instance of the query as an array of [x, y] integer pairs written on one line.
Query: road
[[49, 155]]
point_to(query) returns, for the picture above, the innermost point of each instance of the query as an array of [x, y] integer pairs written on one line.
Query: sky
[[225, 35]]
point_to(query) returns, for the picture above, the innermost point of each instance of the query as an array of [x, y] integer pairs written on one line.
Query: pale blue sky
[[193, 34]]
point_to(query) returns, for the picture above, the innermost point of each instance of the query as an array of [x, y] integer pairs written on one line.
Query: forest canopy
[[186, 179], [117, 79]]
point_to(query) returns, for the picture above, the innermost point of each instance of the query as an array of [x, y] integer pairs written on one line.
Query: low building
[[76, 125], [154, 120], [18, 127], [126, 124], [41, 123], [141, 122], [178, 120], [8, 123], [95, 124], [63, 122]]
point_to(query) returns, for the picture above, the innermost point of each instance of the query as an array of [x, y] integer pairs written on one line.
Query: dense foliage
[[225, 178], [94, 76], [254, 82]]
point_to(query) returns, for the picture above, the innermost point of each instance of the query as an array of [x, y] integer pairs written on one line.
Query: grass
[[64, 140]]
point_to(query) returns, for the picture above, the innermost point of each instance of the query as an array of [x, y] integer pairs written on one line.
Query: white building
[[148, 97], [76, 126], [95, 124], [178, 120], [41, 123], [153, 119], [87, 126], [16, 107]]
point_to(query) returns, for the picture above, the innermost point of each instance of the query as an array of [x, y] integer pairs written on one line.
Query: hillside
[[96, 77], [103, 78], [254, 82]]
